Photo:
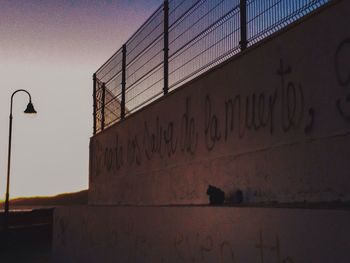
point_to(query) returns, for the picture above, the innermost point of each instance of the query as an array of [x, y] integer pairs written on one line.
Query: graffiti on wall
[[342, 70], [190, 247], [280, 109]]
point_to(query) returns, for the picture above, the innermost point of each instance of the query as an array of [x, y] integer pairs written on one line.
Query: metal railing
[[180, 41]]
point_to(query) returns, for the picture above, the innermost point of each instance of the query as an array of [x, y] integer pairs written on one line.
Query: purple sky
[[51, 48]]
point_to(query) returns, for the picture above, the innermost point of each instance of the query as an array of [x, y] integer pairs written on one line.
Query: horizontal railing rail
[[181, 40]]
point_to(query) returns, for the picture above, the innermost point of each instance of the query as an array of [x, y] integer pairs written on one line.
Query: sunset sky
[[52, 48]]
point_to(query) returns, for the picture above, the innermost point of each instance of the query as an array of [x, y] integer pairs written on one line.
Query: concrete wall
[[273, 123], [200, 234]]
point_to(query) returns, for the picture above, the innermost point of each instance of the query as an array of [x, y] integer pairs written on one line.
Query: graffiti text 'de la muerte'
[[279, 109]]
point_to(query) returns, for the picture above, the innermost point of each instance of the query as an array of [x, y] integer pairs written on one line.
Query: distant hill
[[78, 198]]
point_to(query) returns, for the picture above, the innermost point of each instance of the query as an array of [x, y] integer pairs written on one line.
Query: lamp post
[[29, 110]]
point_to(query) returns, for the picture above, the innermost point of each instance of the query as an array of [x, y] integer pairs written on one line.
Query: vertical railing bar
[[243, 14], [103, 106], [94, 95], [122, 108], [166, 47]]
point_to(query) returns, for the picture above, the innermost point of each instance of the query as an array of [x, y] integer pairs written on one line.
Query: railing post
[[243, 15], [166, 47], [103, 106], [95, 102], [122, 106]]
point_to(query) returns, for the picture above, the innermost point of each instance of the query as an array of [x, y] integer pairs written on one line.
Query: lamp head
[[30, 109]]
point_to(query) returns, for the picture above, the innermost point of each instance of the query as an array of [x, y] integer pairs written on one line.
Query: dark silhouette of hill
[[77, 198]]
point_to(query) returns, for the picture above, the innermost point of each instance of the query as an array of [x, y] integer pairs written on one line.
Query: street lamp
[[29, 110]]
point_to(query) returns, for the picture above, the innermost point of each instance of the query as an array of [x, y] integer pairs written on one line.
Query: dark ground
[[29, 237]]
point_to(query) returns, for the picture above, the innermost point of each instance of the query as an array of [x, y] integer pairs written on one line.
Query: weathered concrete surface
[[274, 123], [201, 234]]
